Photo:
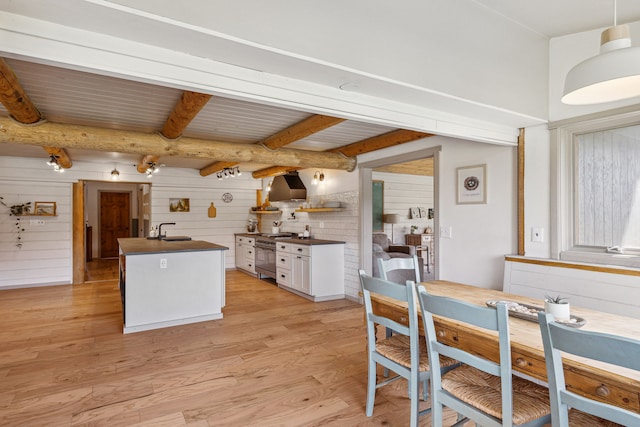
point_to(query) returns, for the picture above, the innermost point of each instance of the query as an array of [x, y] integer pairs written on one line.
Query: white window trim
[[563, 135]]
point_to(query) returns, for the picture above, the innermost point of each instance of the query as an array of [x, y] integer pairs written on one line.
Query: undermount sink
[[176, 238]]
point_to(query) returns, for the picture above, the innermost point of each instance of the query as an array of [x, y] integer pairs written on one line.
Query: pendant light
[[612, 75]]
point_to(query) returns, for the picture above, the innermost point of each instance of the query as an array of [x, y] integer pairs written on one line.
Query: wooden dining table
[[596, 380]]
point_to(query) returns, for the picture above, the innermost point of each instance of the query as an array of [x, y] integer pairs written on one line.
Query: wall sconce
[[53, 161], [115, 174], [317, 177], [229, 172]]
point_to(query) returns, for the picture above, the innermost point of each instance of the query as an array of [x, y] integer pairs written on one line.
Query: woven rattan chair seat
[[397, 347], [482, 390], [581, 419]]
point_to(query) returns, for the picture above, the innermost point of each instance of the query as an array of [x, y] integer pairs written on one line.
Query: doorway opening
[[405, 201], [112, 210]]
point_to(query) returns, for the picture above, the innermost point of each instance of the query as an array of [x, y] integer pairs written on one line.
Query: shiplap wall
[[45, 256], [401, 193], [340, 225], [595, 290]]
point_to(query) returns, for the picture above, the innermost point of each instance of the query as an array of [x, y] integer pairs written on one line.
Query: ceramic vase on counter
[[275, 230]]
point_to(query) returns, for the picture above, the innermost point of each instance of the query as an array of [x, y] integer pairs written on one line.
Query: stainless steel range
[[266, 253]]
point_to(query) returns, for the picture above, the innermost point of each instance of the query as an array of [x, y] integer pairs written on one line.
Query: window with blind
[[596, 194], [607, 183]]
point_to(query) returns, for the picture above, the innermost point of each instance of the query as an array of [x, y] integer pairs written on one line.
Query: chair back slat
[[483, 317], [616, 350], [399, 270]]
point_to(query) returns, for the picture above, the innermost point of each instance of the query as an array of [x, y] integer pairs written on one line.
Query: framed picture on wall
[[472, 184], [414, 213], [423, 212], [377, 200], [45, 208]]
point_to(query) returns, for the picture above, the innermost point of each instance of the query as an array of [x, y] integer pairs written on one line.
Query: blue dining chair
[[401, 353], [480, 389], [608, 348]]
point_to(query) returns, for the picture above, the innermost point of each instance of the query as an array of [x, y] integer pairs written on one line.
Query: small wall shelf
[[319, 209]]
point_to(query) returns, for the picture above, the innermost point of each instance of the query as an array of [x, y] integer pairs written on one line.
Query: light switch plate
[[446, 232]]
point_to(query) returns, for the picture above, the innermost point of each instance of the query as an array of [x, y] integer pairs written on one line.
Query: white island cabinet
[[169, 283], [312, 268]]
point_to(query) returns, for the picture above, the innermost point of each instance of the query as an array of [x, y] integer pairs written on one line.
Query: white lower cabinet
[[246, 254], [313, 271]]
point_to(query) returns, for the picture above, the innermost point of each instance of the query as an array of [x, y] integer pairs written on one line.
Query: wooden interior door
[[115, 220]]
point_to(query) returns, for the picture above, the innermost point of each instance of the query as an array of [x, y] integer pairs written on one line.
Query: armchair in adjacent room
[[382, 248]]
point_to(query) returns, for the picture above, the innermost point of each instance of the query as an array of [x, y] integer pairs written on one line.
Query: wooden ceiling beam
[[19, 105], [94, 138], [185, 110], [272, 171], [389, 139], [14, 98], [293, 133]]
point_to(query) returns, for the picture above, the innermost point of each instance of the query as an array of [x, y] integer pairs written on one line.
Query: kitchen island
[[169, 283]]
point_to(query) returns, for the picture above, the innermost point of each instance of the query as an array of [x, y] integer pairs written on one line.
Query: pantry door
[[115, 220]]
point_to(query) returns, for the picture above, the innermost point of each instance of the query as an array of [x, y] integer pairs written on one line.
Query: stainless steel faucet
[[160, 236]]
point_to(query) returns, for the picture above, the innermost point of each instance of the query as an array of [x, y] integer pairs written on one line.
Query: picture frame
[[44, 208], [179, 205], [423, 212], [414, 213], [472, 184]]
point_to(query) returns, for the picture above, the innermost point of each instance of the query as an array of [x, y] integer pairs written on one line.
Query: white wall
[[537, 184], [481, 234]]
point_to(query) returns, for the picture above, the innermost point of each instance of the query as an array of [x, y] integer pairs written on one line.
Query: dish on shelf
[[332, 204], [530, 313]]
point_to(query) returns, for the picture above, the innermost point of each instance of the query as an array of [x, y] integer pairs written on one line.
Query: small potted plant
[[414, 228], [558, 306]]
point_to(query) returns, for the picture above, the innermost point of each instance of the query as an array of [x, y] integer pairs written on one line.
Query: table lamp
[[391, 219]]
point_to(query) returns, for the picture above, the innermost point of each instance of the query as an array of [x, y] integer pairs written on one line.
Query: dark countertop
[[310, 242], [299, 241], [141, 245]]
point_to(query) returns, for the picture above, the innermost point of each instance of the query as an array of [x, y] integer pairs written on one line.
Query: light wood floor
[[274, 360]]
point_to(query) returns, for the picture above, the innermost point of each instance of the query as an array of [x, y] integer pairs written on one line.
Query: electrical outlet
[[537, 234], [321, 224], [36, 222], [163, 263]]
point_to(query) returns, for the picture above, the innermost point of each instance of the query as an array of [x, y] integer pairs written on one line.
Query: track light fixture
[[152, 169], [317, 177], [229, 172], [53, 161]]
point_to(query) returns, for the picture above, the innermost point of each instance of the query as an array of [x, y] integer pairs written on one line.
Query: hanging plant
[[17, 210]]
